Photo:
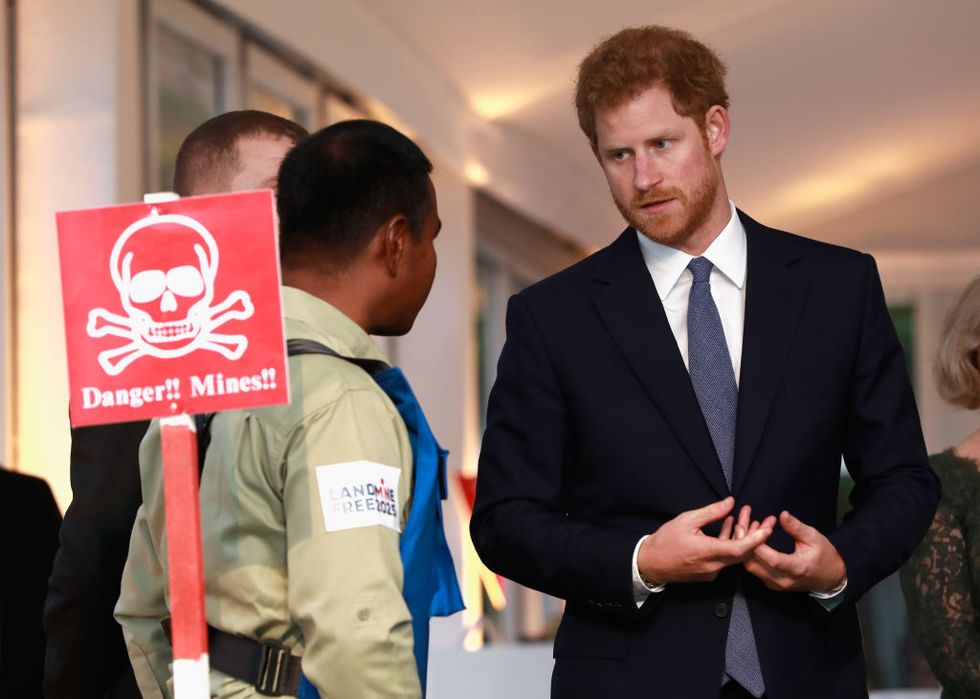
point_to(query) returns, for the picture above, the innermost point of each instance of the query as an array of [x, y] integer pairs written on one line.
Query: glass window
[[259, 98], [495, 285], [904, 319], [512, 252], [189, 91], [274, 86], [336, 109], [893, 657], [193, 73]]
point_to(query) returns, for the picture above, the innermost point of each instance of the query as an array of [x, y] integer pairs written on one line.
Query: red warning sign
[[172, 307]]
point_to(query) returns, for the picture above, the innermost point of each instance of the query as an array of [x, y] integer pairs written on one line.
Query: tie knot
[[701, 269]]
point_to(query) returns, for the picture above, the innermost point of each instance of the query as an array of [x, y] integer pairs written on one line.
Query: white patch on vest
[[359, 494]]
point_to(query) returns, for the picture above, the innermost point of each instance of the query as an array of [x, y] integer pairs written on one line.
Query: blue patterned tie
[[713, 378]]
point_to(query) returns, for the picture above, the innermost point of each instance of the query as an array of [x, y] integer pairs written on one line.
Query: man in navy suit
[[665, 435]]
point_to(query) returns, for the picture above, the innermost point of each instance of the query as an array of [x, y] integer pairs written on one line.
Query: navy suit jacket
[[595, 437], [86, 654], [29, 521]]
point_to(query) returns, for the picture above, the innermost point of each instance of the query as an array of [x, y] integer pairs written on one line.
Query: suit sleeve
[[895, 491], [85, 651], [519, 525]]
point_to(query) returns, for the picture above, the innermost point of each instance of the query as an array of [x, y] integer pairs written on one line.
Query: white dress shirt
[[672, 278], [668, 268]]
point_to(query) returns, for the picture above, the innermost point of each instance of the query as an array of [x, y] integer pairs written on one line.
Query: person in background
[[309, 510], [941, 580], [86, 655], [29, 521]]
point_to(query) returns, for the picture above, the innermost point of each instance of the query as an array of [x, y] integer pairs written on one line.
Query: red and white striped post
[[185, 558], [102, 250]]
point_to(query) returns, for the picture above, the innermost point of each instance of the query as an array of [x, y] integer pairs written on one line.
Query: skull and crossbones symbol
[[164, 267]]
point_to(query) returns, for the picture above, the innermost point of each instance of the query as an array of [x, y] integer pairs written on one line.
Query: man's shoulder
[[328, 376], [576, 279], [794, 245], [27, 500], [16, 487], [323, 389]]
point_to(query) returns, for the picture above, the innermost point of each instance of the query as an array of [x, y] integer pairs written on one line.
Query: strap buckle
[[272, 668]]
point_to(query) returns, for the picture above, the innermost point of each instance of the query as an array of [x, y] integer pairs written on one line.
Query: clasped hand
[[679, 551]]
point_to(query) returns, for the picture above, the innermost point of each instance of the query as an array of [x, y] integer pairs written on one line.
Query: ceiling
[[841, 110]]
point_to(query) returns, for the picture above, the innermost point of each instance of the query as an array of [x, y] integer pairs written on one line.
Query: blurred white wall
[[77, 138], [5, 242]]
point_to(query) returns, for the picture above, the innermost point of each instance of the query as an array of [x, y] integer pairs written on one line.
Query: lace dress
[[941, 581]]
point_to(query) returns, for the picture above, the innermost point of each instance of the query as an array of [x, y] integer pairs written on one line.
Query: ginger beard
[[685, 215]]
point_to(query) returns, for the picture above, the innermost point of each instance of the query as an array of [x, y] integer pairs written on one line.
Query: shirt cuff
[[641, 589], [831, 598]]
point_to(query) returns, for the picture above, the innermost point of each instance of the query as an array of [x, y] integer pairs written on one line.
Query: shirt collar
[[313, 318], [726, 252]]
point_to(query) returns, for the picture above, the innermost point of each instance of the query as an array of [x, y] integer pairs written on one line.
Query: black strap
[[270, 667], [202, 423], [298, 345], [294, 346]]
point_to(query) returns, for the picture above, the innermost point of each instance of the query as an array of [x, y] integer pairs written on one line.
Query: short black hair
[[343, 182], [208, 158]]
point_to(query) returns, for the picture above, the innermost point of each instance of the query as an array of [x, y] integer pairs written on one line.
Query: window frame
[[270, 74], [203, 30]]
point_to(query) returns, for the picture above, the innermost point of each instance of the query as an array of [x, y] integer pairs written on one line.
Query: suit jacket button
[[721, 610]]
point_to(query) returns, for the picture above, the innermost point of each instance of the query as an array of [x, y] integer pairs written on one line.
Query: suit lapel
[[631, 310], [773, 301]]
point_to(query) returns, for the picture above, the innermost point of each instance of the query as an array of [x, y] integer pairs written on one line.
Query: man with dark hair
[[693, 529], [334, 200], [309, 510], [86, 656]]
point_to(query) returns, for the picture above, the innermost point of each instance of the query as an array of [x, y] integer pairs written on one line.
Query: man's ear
[[394, 237], [716, 128]]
